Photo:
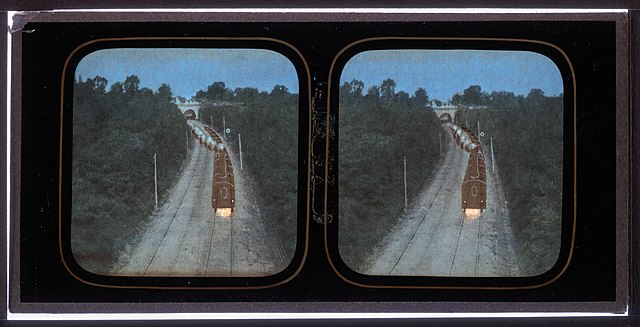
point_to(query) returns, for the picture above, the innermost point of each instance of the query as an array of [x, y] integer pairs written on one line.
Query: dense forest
[[266, 123], [527, 137], [377, 130], [116, 133]]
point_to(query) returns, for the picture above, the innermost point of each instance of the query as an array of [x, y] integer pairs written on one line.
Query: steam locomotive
[[474, 184], [223, 199]]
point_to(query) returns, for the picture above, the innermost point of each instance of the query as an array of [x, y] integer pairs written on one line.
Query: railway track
[[185, 237], [441, 181], [152, 245], [266, 224], [174, 246], [436, 238]]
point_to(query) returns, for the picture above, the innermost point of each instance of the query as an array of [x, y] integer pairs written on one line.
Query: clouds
[[190, 70], [445, 72]]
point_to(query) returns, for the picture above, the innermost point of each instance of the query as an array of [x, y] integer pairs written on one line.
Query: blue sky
[[445, 72], [189, 70]]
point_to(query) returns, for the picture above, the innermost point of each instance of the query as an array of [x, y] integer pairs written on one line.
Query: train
[[474, 184], [223, 184], [223, 199]]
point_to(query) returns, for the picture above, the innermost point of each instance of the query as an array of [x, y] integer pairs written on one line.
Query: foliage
[[473, 96], [217, 91], [527, 137], [115, 136], [376, 132]]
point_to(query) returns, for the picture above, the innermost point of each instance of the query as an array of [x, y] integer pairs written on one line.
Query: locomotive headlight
[[224, 212], [471, 214]]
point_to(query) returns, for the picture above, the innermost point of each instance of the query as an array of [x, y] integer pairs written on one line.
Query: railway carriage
[[474, 184], [223, 198]]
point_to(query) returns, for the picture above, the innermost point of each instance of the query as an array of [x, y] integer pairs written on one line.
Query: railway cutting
[[452, 231], [210, 226]]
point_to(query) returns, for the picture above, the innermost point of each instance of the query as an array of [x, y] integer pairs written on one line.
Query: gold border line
[[306, 240], [326, 175]]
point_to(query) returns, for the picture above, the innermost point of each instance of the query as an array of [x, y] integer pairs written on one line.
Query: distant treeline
[[219, 92], [377, 130], [116, 133], [527, 134], [268, 127], [473, 96]]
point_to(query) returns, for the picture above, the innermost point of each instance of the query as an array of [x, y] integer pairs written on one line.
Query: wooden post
[[493, 165], [405, 184], [155, 178], [440, 136], [240, 147]]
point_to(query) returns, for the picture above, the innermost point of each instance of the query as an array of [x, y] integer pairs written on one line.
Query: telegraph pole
[[493, 165], [440, 135], [224, 128], [240, 147], [405, 184], [155, 178]]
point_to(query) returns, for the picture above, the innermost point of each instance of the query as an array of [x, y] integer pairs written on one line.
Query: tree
[[116, 88], [420, 97], [456, 100], [99, 84], [247, 94], [351, 91], [164, 93], [356, 87], [388, 90], [373, 93], [279, 91], [402, 97], [438, 103], [217, 91], [473, 96], [345, 90], [200, 95], [536, 98], [503, 99], [131, 85]]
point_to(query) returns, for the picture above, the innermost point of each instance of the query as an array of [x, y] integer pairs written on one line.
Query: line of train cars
[[223, 199], [474, 184]]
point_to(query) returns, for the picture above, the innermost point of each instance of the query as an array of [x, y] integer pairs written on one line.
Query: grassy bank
[[376, 134], [528, 152], [115, 136], [268, 128]]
